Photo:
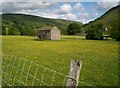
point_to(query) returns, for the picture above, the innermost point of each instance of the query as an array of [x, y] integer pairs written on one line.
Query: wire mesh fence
[[23, 72], [0, 71]]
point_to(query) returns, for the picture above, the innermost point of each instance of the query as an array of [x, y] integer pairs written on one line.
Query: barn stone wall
[[49, 34], [55, 35]]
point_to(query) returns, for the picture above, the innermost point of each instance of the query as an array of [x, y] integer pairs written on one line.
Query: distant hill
[[107, 18], [28, 24]]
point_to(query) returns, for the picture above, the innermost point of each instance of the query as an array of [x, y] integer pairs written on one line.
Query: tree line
[[92, 31], [96, 31]]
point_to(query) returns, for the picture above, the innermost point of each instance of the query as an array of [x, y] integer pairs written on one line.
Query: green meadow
[[99, 58]]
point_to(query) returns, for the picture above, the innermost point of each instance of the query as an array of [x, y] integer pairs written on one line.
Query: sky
[[68, 10]]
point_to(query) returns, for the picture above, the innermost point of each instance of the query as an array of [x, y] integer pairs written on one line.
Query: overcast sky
[[75, 11]]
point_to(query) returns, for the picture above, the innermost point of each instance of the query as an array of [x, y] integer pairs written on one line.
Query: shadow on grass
[[47, 40], [38, 39]]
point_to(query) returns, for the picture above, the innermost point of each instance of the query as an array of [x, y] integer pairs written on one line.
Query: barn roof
[[48, 28]]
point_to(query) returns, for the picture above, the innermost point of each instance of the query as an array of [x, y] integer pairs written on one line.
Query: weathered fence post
[[73, 77]]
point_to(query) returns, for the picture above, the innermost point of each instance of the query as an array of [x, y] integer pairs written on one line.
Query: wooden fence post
[[73, 77]]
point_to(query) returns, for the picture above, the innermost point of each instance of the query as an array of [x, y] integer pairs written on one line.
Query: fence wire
[[23, 72]]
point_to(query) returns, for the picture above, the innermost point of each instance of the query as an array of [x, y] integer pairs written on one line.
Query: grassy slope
[[31, 18], [107, 17], [35, 21], [99, 58]]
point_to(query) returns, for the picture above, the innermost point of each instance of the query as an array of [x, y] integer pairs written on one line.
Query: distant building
[[106, 29], [49, 33]]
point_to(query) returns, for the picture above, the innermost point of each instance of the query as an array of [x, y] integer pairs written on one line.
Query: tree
[[114, 30], [73, 29], [6, 31], [94, 32], [3, 30]]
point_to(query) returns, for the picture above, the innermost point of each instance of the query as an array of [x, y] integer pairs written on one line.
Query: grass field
[[100, 58]]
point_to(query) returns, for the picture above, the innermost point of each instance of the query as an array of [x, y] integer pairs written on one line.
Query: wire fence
[[23, 72]]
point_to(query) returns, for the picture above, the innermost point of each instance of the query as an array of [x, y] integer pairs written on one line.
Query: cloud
[[20, 6], [52, 14], [105, 5], [40, 9], [84, 17], [59, 0], [108, 0], [69, 16], [65, 9], [48, 14], [0, 7], [1, 0], [0, 4], [79, 7], [24, 0], [68, 11]]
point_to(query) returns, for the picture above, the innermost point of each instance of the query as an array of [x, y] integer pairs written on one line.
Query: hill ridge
[[13, 20], [107, 17]]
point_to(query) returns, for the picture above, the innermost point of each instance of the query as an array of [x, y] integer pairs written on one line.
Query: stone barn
[[49, 33]]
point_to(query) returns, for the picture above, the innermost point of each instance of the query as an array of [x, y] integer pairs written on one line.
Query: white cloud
[[65, 12], [59, 0], [85, 17], [108, 0], [1, 0], [78, 7], [0, 7], [0, 4], [24, 0], [65, 9], [48, 14], [69, 16], [105, 5], [40, 9], [19, 6]]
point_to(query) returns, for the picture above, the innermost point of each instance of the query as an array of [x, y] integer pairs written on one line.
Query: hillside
[[21, 24], [28, 24], [107, 18]]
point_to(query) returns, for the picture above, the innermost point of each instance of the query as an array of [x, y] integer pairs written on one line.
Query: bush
[[114, 30], [73, 29], [94, 33]]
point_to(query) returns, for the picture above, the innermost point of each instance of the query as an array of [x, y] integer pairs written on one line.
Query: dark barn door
[[44, 35]]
